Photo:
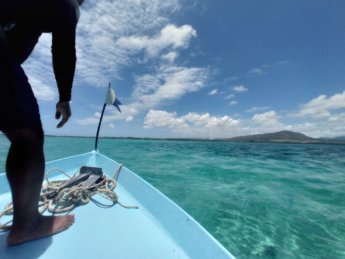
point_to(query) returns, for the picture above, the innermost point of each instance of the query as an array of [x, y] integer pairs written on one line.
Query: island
[[286, 136]]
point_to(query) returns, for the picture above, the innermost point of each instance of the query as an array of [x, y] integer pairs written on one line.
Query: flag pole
[[100, 122]]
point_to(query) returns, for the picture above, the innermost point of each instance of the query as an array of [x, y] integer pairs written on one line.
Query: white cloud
[[234, 102], [102, 24], [111, 115], [42, 91], [154, 90], [170, 36], [324, 116], [129, 118], [205, 125], [193, 124], [268, 122], [155, 118], [113, 37], [170, 57], [257, 109], [168, 83], [318, 129], [39, 70], [323, 106], [240, 88], [270, 117], [213, 92]]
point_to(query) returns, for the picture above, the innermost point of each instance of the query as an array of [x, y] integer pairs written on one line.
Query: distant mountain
[[340, 138], [283, 137]]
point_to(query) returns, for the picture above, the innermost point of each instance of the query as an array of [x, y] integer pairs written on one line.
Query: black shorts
[[18, 105]]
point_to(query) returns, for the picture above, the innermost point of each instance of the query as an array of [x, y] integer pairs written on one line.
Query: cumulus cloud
[[170, 36], [268, 122], [205, 125], [270, 117], [323, 106], [193, 124], [324, 115], [156, 118], [168, 83]]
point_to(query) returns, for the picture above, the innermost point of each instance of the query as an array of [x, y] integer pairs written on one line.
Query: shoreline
[[274, 141]]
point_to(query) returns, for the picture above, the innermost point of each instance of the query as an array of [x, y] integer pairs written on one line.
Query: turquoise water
[[258, 200]]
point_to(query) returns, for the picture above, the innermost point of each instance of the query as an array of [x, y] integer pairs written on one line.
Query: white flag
[[112, 99]]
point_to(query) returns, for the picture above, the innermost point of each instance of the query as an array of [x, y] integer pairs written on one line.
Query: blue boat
[[157, 229]]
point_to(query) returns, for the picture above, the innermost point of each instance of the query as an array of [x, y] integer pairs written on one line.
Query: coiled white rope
[[67, 199]]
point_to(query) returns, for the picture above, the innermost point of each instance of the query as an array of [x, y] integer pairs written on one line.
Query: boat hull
[[157, 229]]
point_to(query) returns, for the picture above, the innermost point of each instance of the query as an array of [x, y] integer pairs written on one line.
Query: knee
[[27, 138], [35, 137], [26, 150]]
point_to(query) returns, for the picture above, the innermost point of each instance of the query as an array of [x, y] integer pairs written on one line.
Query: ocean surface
[[258, 200]]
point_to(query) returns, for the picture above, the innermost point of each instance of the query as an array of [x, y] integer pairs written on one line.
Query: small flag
[[112, 99]]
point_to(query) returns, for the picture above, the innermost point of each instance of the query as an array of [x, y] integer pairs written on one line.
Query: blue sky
[[207, 69]]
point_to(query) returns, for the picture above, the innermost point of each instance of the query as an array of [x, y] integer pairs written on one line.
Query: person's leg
[[25, 172], [20, 121]]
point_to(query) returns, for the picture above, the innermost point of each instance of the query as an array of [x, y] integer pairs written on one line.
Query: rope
[[57, 201], [8, 211]]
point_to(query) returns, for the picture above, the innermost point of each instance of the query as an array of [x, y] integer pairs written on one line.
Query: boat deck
[[157, 229]]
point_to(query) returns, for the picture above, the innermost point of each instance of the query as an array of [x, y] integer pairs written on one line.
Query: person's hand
[[62, 109]]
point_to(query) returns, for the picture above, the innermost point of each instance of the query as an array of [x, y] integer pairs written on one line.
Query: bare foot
[[45, 226]]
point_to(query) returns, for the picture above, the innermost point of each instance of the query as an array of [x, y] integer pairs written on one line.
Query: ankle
[[27, 221]]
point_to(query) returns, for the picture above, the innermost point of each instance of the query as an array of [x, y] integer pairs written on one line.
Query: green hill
[[278, 137]]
